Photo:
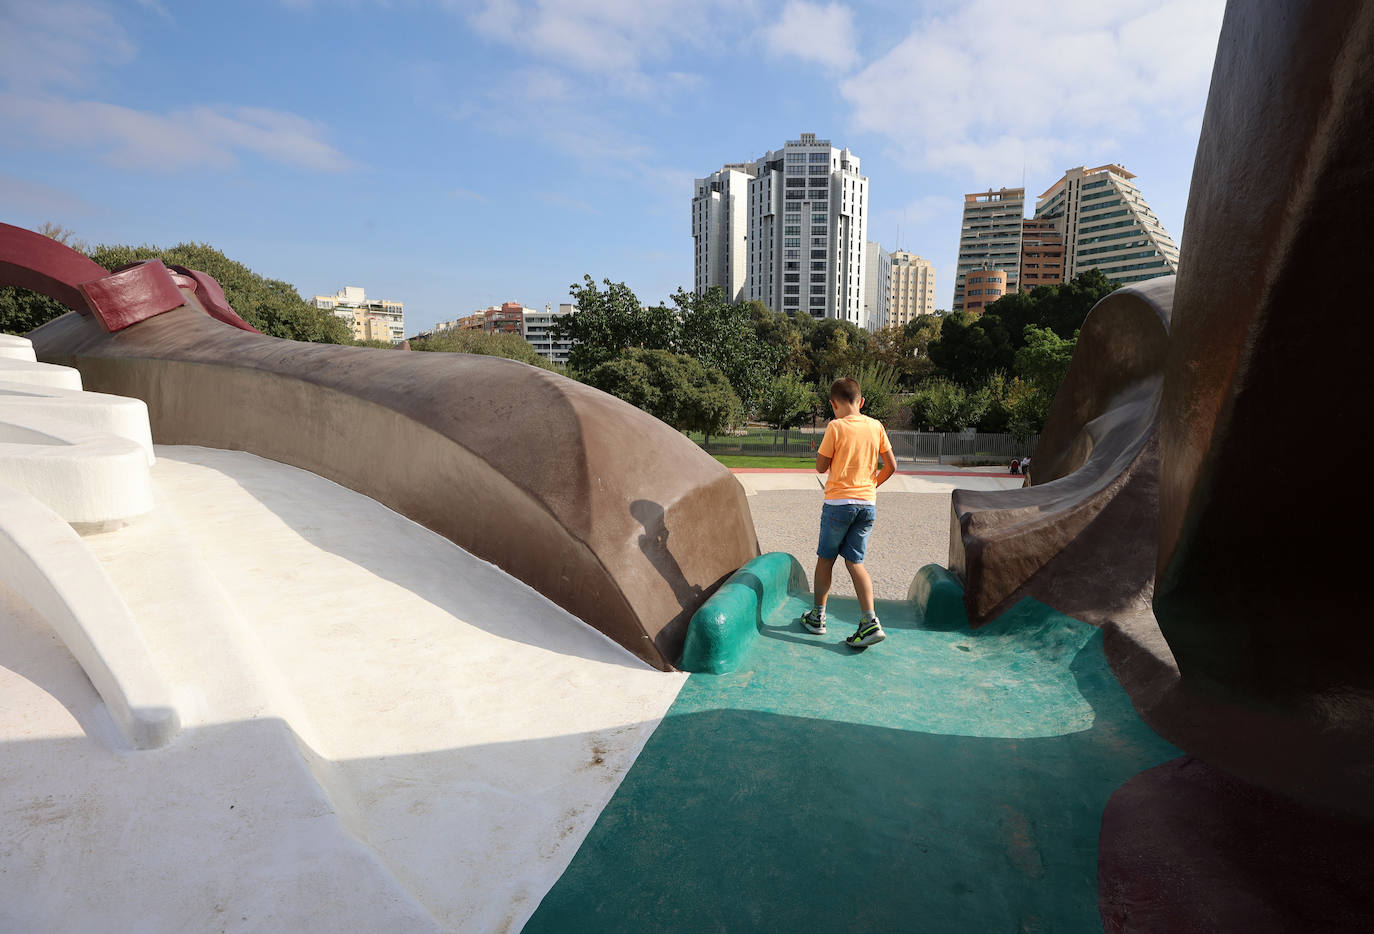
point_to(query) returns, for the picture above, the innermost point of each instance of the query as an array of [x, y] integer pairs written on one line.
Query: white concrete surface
[[379, 732], [16, 369], [13, 347], [84, 455], [46, 564]]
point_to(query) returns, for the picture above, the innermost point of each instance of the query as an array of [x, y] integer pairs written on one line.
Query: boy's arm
[[889, 459], [889, 467], [826, 452]]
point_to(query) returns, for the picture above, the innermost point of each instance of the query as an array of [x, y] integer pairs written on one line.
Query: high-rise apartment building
[[1107, 225], [539, 332], [505, 318], [800, 238], [370, 320], [877, 287], [990, 236], [983, 286], [912, 288], [1042, 254], [719, 222]]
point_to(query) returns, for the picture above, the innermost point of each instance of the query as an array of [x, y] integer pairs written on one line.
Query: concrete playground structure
[[321, 638]]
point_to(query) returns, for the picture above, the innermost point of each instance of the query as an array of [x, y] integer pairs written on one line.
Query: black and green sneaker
[[813, 622], [870, 632]]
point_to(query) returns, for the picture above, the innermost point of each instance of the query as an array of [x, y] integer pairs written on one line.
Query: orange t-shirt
[[853, 444]]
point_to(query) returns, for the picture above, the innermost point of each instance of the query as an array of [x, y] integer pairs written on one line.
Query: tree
[[461, 340], [609, 322], [940, 405], [970, 349], [270, 305], [786, 402], [721, 335], [1044, 358], [673, 388]]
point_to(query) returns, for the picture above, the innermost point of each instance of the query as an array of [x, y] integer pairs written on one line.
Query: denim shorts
[[844, 531]]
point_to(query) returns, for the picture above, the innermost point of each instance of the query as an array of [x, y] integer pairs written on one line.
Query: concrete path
[[382, 733]]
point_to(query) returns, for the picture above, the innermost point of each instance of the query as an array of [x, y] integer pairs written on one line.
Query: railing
[[932, 447]]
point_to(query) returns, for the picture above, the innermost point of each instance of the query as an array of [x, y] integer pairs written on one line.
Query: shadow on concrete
[[753, 820]]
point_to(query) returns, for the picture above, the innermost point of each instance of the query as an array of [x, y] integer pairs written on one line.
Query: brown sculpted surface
[[1094, 472], [1176, 506], [1263, 583], [597, 505]]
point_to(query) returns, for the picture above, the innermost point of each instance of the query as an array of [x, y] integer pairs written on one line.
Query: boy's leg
[[825, 572], [834, 525], [870, 631], [863, 584]]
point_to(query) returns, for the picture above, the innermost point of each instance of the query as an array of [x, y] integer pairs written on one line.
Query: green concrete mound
[[939, 598], [721, 631]]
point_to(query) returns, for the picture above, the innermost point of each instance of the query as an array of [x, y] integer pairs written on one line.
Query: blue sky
[[453, 155]]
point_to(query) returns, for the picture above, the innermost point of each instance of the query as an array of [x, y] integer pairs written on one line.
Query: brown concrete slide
[[1187, 490], [602, 508]]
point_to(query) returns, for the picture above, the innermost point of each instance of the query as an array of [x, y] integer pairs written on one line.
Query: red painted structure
[[116, 299]]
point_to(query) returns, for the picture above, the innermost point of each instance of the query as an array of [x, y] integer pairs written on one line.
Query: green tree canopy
[[940, 405], [673, 388], [722, 336], [463, 340], [787, 401], [270, 305], [612, 321]]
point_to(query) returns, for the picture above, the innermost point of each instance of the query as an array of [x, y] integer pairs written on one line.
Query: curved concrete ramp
[[1082, 538], [597, 505]]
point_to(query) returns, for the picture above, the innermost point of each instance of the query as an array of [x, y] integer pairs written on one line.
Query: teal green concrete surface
[[939, 597], [721, 631], [941, 781]]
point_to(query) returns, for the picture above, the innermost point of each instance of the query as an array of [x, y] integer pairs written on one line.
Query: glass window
[[818, 254], [791, 277], [820, 266], [791, 289], [792, 218], [818, 241], [791, 241], [791, 231], [818, 157], [817, 290], [792, 254]]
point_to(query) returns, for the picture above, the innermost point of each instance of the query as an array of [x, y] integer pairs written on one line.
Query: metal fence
[[932, 447]]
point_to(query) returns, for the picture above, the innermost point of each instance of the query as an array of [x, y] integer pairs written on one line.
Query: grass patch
[[748, 460]]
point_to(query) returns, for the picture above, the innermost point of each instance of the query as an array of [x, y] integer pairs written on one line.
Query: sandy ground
[[912, 530]]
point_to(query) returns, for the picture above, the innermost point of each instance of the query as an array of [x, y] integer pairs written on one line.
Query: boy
[[850, 451]]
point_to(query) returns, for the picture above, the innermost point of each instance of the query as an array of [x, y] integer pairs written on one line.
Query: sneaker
[[869, 633], [813, 622]]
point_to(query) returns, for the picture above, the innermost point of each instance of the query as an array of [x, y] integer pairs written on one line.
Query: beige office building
[[369, 319], [913, 288], [1107, 225], [990, 237]]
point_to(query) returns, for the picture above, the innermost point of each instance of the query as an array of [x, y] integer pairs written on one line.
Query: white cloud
[[988, 90], [63, 43], [200, 137], [814, 33], [52, 51], [619, 40]]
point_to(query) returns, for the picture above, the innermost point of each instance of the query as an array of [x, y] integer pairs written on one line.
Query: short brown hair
[[846, 389]]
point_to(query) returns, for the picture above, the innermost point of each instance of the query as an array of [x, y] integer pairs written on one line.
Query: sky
[[455, 154]]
